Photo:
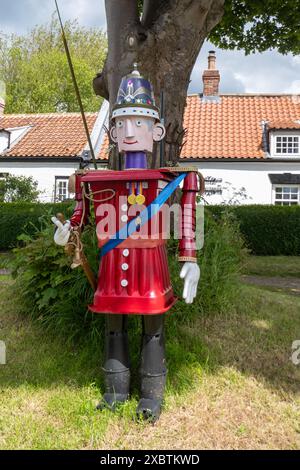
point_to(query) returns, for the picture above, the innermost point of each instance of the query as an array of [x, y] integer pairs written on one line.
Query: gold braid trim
[[191, 259], [179, 169]]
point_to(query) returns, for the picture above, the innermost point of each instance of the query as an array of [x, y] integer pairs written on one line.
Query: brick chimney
[[211, 77]]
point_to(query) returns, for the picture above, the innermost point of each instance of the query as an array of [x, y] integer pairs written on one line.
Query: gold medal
[[131, 199], [140, 199]]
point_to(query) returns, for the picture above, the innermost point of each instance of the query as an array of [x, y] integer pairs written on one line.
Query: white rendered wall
[[253, 176], [43, 172]]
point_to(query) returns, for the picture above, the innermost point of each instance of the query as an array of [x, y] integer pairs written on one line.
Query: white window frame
[[61, 179], [274, 186], [287, 134]]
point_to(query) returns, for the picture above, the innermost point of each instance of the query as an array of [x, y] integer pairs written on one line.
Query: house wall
[[43, 172], [253, 176]]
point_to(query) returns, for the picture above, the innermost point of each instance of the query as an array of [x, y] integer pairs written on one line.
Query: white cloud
[[269, 72]]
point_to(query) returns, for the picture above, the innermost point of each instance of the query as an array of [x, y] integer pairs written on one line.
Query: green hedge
[[267, 230], [17, 218]]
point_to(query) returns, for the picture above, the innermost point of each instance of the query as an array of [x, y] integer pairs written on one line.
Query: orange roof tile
[[50, 135], [232, 127], [287, 124]]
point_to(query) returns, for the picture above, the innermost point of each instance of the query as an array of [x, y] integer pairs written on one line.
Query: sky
[[269, 72]]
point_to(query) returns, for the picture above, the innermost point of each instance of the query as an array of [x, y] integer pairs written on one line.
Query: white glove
[[62, 234], [191, 274]]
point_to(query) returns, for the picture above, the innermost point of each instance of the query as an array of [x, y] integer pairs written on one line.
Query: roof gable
[[49, 135]]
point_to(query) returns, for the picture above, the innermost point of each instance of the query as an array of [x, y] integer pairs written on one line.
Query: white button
[[125, 266], [124, 207], [124, 283], [126, 253], [124, 218]]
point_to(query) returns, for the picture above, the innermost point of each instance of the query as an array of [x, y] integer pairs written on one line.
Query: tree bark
[[165, 42]]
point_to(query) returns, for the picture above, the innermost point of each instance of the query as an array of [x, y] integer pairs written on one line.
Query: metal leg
[[153, 369], [116, 362]]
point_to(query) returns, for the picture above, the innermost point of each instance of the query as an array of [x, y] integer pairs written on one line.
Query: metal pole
[[76, 87]]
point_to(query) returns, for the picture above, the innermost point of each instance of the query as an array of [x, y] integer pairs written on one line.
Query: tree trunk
[[165, 42]]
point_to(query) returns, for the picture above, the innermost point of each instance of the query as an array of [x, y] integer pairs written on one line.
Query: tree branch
[[122, 21], [100, 83]]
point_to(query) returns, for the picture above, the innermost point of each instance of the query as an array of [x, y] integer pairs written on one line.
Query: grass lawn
[[283, 266], [231, 382]]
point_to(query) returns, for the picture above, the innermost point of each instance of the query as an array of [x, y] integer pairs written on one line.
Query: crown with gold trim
[[135, 97]]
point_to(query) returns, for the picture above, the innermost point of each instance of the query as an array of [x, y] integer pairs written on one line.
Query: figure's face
[[136, 134]]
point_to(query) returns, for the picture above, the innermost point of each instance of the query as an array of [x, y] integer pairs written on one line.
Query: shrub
[[17, 218], [267, 230], [57, 296], [50, 291]]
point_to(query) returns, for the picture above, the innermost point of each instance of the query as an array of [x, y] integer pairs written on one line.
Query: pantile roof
[[232, 126], [228, 128], [48, 135], [287, 124]]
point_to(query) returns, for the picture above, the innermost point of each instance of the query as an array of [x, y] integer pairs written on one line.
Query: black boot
[[153, 369], [116, 365]]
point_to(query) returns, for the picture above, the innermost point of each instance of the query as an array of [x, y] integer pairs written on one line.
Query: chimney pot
[[211, 60], [211, 77]]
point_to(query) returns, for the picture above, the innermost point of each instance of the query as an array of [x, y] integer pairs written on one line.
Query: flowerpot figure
[[130, 209]]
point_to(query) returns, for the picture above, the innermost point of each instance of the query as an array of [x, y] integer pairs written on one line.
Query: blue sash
[[144, 216]]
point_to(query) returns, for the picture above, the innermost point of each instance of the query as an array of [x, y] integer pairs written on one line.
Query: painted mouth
[[130, 143]]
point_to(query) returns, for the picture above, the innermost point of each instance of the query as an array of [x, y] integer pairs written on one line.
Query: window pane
[[294, 190], [61, 189]]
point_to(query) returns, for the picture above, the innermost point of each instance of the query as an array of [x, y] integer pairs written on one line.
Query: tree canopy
[[255, 26], [36, 73], [18, 189]]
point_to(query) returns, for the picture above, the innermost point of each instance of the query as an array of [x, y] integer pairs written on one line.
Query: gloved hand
[[191, 274], [62, 233]]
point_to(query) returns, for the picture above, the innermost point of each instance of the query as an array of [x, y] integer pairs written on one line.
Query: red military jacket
[[134, 277]]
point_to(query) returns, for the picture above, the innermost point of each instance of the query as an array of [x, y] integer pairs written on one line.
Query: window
[[61, 188], [286, 195], [287, 144]]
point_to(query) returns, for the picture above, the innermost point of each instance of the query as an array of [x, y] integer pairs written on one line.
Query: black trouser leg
[[116, 361], [153, 367]]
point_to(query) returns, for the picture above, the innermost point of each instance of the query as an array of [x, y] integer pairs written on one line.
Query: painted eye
[[119, 124], [139, 123]]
